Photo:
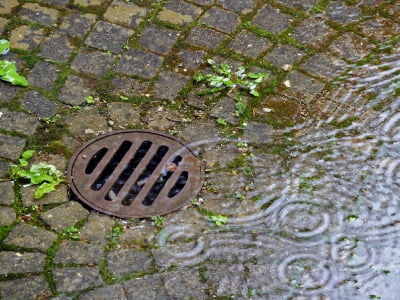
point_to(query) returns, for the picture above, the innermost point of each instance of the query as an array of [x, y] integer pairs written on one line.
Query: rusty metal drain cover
[[135, 173]]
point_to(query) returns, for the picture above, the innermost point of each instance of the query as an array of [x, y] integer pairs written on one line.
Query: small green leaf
[[4, 47], [44, 188], [123, 98], [89, 99], [23, 162], [255, 93], [28, 154], [199, 77]]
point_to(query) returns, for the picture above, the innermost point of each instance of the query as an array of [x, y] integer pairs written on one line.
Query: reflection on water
[[326, 221]]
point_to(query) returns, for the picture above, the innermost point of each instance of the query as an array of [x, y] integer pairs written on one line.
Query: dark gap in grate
[[95, 159], [179, 184], [112, 164], [161, 181], [128, 171], [141, 181]]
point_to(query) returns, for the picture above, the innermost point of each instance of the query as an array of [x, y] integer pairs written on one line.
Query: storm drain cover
[[135, 173]]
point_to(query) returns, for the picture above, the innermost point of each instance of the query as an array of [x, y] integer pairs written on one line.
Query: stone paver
[[169, 85], [220, 19], [94, 63], [39, 14], [11, 146], [97, 228], [204, 37], [7, 216], [351, 47], [28, 236], [124, 261], [158, 40], [76, 278], [184, 284], [65, 215], [56, 47], [77, 24], [43, 75], [18, 121], [78, 253], [125, 13], [29, 287], [104, 293], [324, 65], [179, 12], [75, 90], [149, 287], [302, 87], [284, 56], [249, 44], [16, 262], [271, 19], [141, 63], [123, 115], [109, 37], [39, 105], [313, 32], [7, 192]]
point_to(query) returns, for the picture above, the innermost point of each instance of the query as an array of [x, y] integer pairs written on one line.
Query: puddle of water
[[326, 221]]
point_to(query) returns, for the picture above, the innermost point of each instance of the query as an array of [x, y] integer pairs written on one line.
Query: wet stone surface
[[284, 56], [179, 12], [76, 278], [325, 66], [7, 216], [26, 38], [28, 236], [220, 19], [75, 90], [56, 47], [7, 192], [39, 14], [39, 105], [300, 193], [77, 24], [158, 40], [141, 63], [25, 288], [249, 44], [11, 146], [351, 47], [79, 253], [16, 262], [125, 13], [93, 63], [65, 215], [43, 75], [271, 19], [124, 261], [313, 32], [169, 85], [205, 37], [108, 37], [302, 87]]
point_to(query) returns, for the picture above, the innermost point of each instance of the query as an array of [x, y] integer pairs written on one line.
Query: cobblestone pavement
[[137, 59]]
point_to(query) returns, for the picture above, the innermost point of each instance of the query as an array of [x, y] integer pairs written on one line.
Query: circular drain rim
[[193, 166]]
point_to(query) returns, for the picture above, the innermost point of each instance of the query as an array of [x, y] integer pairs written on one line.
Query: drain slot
[[141, 181], [95, 160], [161, 181], [112, 164], [128, 171], [179, 184]]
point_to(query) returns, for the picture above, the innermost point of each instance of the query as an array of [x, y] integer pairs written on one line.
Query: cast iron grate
[[135, 173]]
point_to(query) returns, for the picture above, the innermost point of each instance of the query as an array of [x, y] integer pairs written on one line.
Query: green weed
[[8, 70], [45, 175]]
